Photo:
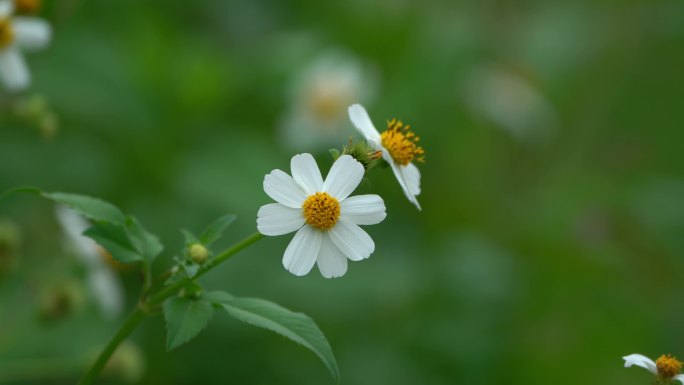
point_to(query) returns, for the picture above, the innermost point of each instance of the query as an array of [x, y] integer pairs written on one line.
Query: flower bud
[[363, 152], [127, 363], [198, 253]]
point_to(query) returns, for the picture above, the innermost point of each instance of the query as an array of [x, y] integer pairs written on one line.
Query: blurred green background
[[550, 241]]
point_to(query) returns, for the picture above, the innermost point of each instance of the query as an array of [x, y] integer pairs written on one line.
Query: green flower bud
[[198, 253], [363, 152], [127, 363]]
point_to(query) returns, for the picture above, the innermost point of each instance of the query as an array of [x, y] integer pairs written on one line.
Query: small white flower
[[104, 284], [19, 33], [665, 367], [325, 217], [399, 148]]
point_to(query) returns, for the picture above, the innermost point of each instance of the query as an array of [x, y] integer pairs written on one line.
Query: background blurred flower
[[103, 282], [19, 33], [320, 94], [510, 102]]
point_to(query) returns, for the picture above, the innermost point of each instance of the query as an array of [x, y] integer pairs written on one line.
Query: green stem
[[128, 326], [139, 314]]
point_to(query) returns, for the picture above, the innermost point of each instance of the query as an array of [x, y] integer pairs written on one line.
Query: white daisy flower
[[399, 146], [666, 367], [325, 217], [19, 33], [103, 282]]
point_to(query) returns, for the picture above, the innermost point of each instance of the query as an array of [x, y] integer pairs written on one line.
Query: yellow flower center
[[401, 143], [321, 211], [668, 366], [6, 32], [27, 6]]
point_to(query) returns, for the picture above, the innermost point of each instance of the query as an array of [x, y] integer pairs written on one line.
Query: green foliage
[[298, 327], [215, 230], [92, 208], [185, 318]]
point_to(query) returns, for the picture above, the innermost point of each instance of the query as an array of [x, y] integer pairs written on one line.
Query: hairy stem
[[139, 313]]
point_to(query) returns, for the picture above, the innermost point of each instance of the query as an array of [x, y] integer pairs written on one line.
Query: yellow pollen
[[668, 366], [402, 143], [27, 6], [6, 33], [321, 211]]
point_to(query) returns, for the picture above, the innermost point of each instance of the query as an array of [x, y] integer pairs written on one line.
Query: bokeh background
[[550, 241]]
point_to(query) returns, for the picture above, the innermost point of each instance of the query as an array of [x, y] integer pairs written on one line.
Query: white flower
[[325, 217], [399, 148], [320, 95], [666, 366], [104, 284], [19, 33]]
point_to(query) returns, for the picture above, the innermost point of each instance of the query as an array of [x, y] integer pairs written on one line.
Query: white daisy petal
[[363, 209], [355, 243], [359, 117], [331, 261], [344, 176], [641, 361], [31, 33], [13, 70], [680, 378], [277, 219], [412, 178], [283, 189], [6, 8], [306, 173], [302, 251], [399, 174]]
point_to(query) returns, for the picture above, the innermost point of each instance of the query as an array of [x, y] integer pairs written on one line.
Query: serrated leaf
[[147, 244], [115, 239], [92, 208], [297, 327], [190, 269], [215, 230], [185, 318]]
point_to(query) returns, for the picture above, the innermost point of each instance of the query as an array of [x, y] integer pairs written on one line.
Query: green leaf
[[127, 244], [185, 318], [215, 230], [116, 240], [296, 326], [190, 238], [147, 244], [217, 297], [92, 208]]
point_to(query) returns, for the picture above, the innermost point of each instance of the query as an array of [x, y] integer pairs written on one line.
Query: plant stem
[[139, 313], [128, 326]]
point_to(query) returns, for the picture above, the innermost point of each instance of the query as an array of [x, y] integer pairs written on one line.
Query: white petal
[[344, 176], [642, 361], [363, 209], [283, 189], [302, 251], [276, 219], [107, 290], [355, 243], [399, 174], [13, 70], [6, 8], [306, 173], [363, 123], [331, 261], [412, 178], [31, 33], [680, 378]]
